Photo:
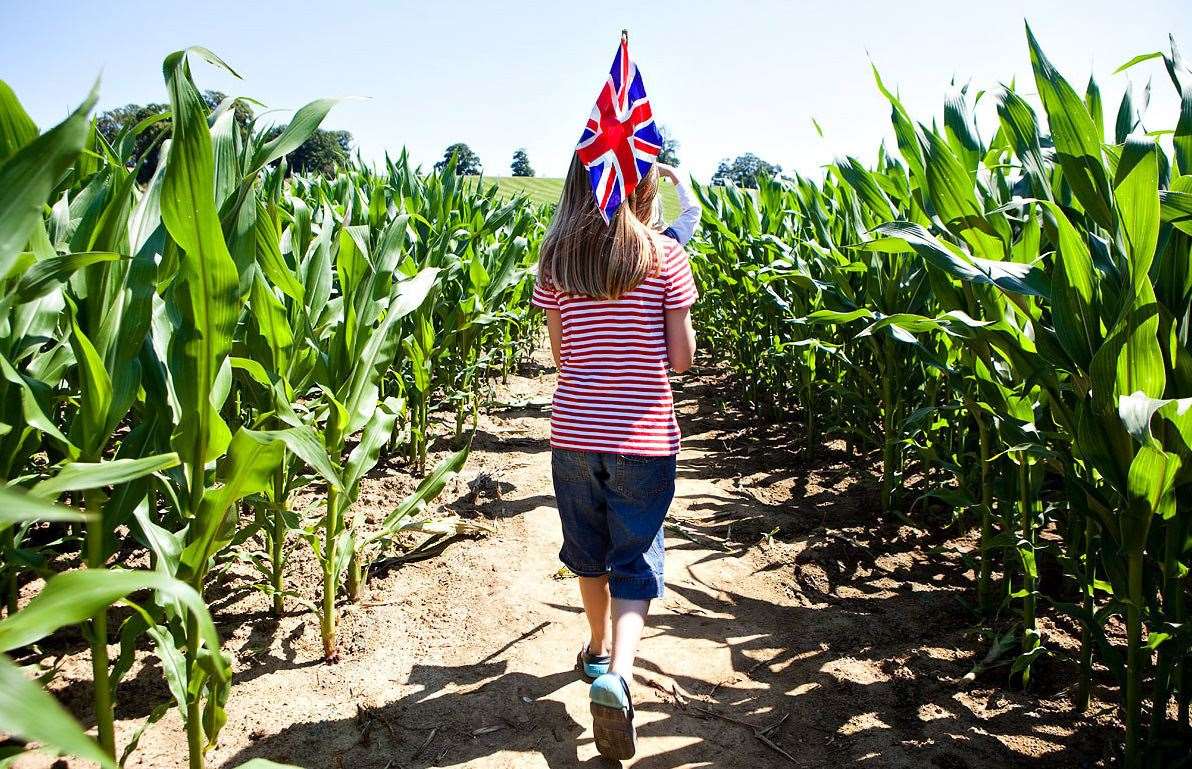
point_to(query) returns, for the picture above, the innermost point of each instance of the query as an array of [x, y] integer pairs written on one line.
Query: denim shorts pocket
[[569, 466], [642, 478]]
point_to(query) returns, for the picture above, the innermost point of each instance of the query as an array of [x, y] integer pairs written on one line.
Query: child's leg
[[629, 619], [593, 591], [579, 493], [640, 491]]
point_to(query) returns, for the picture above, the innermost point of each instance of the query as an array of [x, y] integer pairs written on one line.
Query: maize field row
[[1004, 316], [178, 360]]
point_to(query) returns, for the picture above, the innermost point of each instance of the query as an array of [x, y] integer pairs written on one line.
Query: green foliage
[[218, 340], [670, 148], [460, 158], [545, 191], [325, 152], [521, 164], [130, 120], [1009, 325], [745, 171], [1002, 316]]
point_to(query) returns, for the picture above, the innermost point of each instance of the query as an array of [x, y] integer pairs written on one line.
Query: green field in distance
[[546, 190]]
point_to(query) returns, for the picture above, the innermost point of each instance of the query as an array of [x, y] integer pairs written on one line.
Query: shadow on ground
[[852, 654], [463, 713]]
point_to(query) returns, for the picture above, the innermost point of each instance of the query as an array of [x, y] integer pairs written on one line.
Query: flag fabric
[[621, 140]]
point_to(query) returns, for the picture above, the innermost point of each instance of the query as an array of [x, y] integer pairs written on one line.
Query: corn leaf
[[30, 713], [1077, 323], [247, 469], [71, 597], [28, 175], [206, 292], [79, 476], [427, 491], [1149, 488], [16, 127], [1076, 138], [299, 129], [18, 506], [1136, 187]]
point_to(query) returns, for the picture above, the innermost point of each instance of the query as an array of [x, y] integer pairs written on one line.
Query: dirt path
[[796, 631]]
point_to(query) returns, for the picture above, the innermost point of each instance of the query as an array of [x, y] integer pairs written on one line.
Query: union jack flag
[[620, 141]]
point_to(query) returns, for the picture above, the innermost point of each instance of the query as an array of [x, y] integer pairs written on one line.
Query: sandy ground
[[799, 629]]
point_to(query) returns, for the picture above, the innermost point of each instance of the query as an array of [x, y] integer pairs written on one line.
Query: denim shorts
[[612, 507]]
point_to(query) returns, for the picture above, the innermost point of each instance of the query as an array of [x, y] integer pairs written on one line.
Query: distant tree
[[744, 170], [112, 122], [521, 164], [467, 162], [670, 148], [244, 114], [324, 153]]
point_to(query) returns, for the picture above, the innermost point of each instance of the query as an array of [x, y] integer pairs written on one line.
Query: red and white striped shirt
[[613, 393]]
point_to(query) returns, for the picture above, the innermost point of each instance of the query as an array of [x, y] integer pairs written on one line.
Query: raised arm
[[690, 211]]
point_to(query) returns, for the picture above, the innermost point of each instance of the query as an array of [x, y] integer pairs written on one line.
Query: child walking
[[617, 297]]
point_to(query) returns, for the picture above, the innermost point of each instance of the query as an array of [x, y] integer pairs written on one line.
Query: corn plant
[[178, 359], [363, 338], [1008, 313], [26, 711]]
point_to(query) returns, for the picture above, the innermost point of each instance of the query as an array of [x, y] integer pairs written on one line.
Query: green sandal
[[591, 666], [612, 717]]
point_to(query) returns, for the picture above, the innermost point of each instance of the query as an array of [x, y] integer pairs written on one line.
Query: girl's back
[[613, 393]]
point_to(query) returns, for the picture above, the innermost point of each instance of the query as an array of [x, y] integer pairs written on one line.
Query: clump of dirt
[[800, 628]]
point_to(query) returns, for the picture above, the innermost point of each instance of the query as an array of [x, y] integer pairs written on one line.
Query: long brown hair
[[583, 255]]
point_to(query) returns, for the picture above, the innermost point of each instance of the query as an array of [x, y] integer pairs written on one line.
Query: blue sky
[[725, 77]]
